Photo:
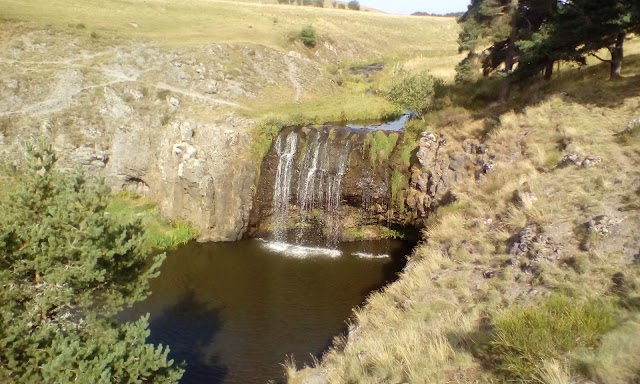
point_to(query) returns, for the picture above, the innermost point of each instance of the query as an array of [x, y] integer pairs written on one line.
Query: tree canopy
[[520, 39], [66, 269]]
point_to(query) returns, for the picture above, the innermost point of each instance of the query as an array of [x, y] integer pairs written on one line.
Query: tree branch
[[601, 59]]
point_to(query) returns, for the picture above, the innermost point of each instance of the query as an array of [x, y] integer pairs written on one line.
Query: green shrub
[[525, 337], [308, 36], [355, 5], [420, 93]]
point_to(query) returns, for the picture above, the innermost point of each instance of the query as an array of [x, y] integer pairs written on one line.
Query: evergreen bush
[[66, 268]]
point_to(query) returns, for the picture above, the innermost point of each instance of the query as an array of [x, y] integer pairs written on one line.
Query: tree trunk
[[548, 71], [617, 54], [511, 52]]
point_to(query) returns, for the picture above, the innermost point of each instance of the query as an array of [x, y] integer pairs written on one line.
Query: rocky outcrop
[[438, 167], [162, 123], [338, 179]]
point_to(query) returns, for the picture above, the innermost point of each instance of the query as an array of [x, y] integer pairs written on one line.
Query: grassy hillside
[[563, 182], [533, 273], [184, 22], [327, 90]]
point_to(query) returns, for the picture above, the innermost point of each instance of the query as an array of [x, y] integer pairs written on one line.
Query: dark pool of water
[[234, 311]]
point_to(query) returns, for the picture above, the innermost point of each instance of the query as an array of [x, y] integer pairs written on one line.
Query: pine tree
[[66, 269], [497, 35], [582, 28], [602, 24], [485, 28]]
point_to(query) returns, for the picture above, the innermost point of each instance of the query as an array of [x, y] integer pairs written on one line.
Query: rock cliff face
[[351, 184], [167, 124], [163, 123], [315, 178], [439, 166]]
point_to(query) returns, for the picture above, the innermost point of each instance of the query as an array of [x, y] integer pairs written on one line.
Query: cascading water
[[320, 185], [282, 188], [316, 189]]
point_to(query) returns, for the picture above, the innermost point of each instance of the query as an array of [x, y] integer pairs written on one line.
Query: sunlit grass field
[[184, 22]]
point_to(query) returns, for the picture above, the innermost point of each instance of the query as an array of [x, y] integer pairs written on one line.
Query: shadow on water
[[233, 312], [191, 345]]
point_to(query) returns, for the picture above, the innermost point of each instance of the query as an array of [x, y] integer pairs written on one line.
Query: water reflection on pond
[[233, 311]]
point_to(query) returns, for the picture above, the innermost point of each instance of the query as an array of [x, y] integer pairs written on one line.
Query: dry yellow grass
[[183, 22], [427, 326]]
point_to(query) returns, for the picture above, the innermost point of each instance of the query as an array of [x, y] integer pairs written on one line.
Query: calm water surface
[[234, 311]]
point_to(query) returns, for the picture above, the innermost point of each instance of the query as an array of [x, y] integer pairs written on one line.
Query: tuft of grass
[[525, 337], [160, 234], [615, 361], [307, 36], [368, 232], [263, 134]]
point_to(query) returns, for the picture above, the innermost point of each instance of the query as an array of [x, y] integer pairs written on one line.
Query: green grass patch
[[525, 337], [369, 232], [160, 234], [615, 361], [380, 146], [263, 135], [327, 108], [399, 184]]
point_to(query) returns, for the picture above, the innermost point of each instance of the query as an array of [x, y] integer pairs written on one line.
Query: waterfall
[[312, 183], [322, 170], [282, 188], [321, 181]]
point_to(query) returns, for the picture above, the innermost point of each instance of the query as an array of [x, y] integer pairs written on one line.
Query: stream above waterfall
[[374, 125], [235, 311]]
